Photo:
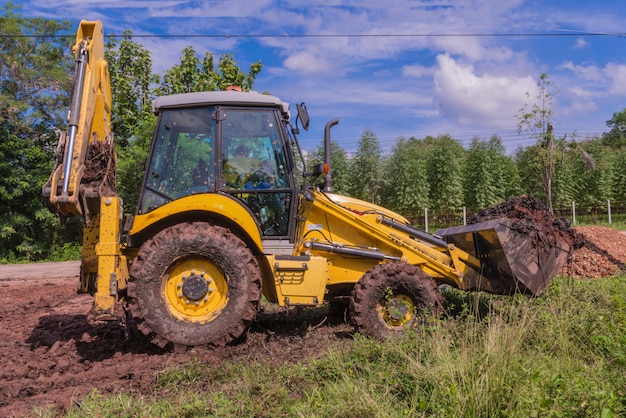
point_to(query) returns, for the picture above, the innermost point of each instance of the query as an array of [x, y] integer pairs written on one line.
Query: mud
[[100, 165], [531, 216], [54, 353]]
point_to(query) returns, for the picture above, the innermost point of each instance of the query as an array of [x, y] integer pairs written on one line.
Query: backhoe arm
[[78, 181], [83, 179]]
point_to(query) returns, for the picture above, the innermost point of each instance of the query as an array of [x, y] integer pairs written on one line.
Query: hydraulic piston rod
[[80, 69]]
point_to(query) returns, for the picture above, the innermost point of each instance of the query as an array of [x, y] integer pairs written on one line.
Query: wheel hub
[[195, 287], [196, 290], [397, 309]]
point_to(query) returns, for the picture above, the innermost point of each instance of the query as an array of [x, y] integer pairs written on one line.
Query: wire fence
[[575, 215]]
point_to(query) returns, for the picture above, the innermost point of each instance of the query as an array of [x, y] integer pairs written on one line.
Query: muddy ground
[[53, 354]]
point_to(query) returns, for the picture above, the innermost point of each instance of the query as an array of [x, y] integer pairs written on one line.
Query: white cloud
[[617, 74], [308, 62], [581, 43], [583, 93], [588, 72], [612, 75], [472, 48], [479, 100], [417, 71]]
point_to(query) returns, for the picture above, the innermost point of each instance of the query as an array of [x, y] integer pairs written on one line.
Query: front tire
[[392, 298], [194, 284]]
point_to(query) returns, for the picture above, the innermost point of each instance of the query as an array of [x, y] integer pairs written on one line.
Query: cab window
[[183, 158], [254, 166]]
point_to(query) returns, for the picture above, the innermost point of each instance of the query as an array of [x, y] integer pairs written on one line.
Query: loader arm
[[83, 179]]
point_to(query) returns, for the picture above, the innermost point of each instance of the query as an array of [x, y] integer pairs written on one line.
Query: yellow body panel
[[216, 204], [351, 223], [299, 282], [104, 269]]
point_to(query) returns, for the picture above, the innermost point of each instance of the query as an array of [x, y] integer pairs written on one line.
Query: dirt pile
[[597, 251], [603, 253], [531, 216]]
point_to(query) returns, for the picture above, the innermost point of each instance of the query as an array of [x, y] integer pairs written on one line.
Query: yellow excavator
[[224, 219]]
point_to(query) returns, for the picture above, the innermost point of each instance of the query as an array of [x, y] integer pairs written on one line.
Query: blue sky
[[376, 71]]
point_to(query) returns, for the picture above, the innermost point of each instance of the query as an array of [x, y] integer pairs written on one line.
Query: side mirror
[[303, 115]]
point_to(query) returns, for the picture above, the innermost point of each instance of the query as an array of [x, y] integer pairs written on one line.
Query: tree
[[407, 171], [193, 75], [490, 176], [530, 169], [536, 120], [366, 177], [130, 68], [565, 177], [616, 137], [619, 178], [33, 102], [594, 173], [445, 159]]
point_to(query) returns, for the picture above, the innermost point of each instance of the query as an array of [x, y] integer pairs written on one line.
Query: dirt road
[[39, 271], [53, 353]]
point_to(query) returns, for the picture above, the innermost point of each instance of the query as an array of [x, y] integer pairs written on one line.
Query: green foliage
[[32, 101], [529, 165], [132, 121], [445, 158], [616, 137], [193, 75], [366, 175], [130, 67], [490, 176], [594, 174], [68, 251], [132, 162], [407, 171], [560, 355], [619, 178]]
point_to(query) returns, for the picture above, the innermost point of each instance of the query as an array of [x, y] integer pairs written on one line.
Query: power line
[[336, 35]]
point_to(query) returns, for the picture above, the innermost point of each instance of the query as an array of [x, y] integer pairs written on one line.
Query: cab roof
[[228, 98]]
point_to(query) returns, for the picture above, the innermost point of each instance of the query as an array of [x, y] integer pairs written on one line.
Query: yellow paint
[[299, 282], [208, 203], [94, 122], [207, 308]]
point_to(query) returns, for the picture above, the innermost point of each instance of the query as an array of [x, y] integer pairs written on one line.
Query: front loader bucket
[[513, 257]]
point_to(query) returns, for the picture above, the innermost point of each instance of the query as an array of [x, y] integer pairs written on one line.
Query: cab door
[[255, 167]]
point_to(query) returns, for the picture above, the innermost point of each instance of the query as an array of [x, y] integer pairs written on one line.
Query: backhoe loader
[[228, 213]]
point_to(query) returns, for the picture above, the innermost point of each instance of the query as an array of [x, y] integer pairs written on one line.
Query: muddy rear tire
[[194, 284], [392, 298]]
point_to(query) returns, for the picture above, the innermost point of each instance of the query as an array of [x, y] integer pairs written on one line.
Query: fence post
[[426, 219], [464, 216], [608, 206], [573, 213]]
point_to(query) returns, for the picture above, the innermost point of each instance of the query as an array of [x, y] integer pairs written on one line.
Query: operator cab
[[230, 142]]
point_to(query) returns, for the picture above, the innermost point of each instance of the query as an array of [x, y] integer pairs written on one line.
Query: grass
[[560, 355]]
